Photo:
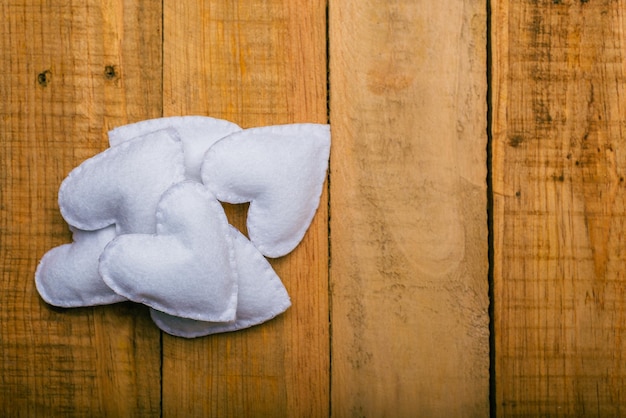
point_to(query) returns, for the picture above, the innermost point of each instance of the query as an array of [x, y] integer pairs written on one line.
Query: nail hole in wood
[[44, 78], [110, 72]]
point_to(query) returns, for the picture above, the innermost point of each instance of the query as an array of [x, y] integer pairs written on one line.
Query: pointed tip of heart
[[262, 296]]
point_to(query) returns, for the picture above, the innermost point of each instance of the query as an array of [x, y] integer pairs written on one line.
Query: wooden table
[[469, 253]]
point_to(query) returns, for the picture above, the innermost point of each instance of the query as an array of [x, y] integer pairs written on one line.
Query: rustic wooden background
[[474, 143]]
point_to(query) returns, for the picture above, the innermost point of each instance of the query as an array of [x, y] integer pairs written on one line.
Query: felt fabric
[[197, 133], [280, 170], [148, 227], [262, 296], [67, 275], [187, 268], [122, 185]]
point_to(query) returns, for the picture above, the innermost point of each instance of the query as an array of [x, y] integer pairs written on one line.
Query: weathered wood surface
[[559, 162], [408, 238], [255, 63], [408, 209], [68, 73]]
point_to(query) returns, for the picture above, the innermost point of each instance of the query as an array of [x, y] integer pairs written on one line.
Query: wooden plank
[[408, 209], [255, 63], [559, 162], [70, 71]]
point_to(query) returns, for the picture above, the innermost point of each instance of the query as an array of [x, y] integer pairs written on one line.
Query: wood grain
[[408, 204], [70, 71], [559, 161], [408, 209], [255, 63]]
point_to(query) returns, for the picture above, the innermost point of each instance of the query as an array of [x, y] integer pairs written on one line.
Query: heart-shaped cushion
[[187, 268], [123, 185], [67, 275], [262, 296], [197, 134], [280, 170]]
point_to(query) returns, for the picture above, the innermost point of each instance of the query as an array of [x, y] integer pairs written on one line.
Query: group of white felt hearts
[[148, 225]]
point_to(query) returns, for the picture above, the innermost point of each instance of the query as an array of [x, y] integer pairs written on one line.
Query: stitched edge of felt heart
[[67, 275], [197, 133], [174, 217], [310, 141], [124, 133], [170, 168], [245, 251]]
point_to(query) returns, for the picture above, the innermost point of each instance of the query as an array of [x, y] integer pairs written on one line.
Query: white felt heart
[[281, 171], [123, 185], [197, 134], [262, 296], [187, 268], [67, 275]]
